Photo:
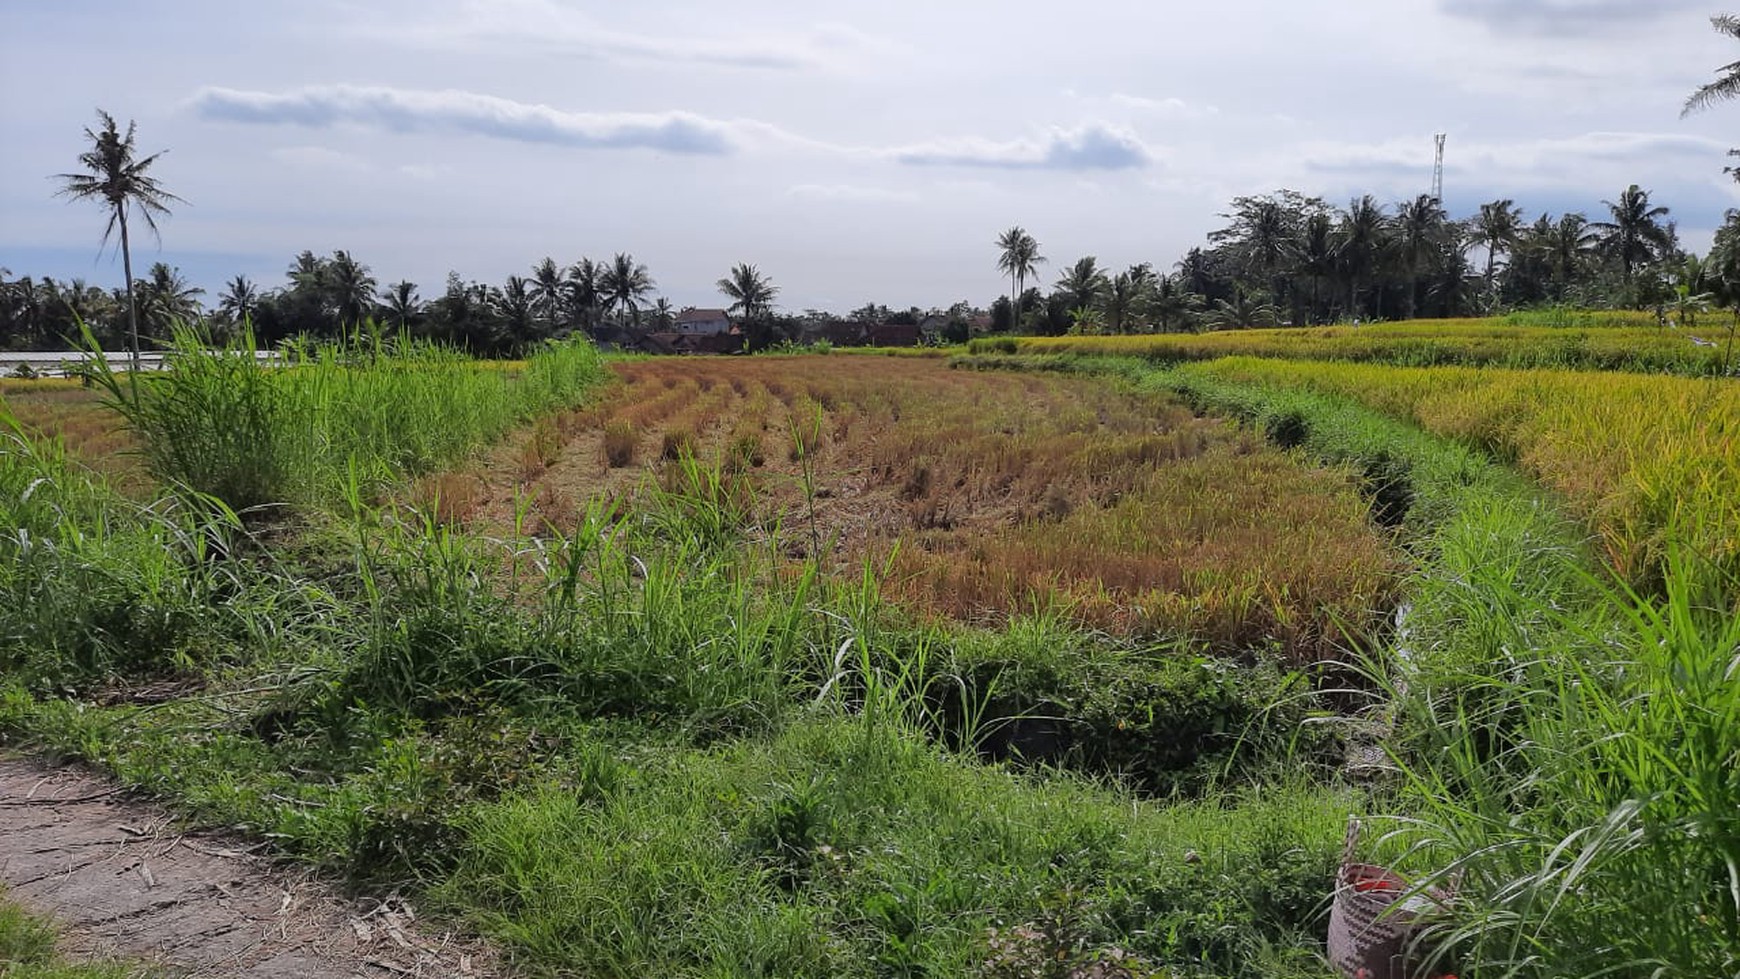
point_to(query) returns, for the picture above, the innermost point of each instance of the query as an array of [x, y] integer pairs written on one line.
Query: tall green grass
[[27, 951], [1585, 789], [251, 432], [93, 584]]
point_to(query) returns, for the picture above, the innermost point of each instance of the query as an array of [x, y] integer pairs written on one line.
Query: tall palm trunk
[[127, 269]]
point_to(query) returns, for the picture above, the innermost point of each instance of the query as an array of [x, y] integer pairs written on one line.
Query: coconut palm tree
[[1084, 284], [87, 303], [115, 175], [1360, 242], [400, 305], [350, 289], [749, 291], [519, 311], [1496, 228], [582, 294], [1261, 235], [1567, 249], [624, 284], [1018, 257], [1315, 254], [1725, 87], [1450, 286], [1635, 235], [1421, 229], [1126, 296], [1201, 272], [167, 299], [663, 314], [239, 300], [547, 293], [1246, 310], [1172, 303]]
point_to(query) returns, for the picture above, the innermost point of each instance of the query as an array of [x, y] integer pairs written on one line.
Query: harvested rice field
[[974, 496]]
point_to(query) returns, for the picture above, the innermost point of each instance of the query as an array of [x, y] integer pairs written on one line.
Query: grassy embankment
[[1569, 746]]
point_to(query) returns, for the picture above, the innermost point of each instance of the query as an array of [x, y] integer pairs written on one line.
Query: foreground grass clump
[[684, 745], [249, 432], [844, 848], [656, 623], [1575, 342], [93, 584]]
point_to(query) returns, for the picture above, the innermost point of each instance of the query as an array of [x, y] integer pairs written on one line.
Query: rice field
[[1645, 461], [977, 497], [872, 666], [74, 413], [1616, 342]]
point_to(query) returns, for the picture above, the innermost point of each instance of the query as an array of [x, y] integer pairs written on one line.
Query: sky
[[853, 150]]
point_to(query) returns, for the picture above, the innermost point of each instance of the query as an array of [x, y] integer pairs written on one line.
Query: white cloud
[[1522, 159], [402, 110], [1093, 146]]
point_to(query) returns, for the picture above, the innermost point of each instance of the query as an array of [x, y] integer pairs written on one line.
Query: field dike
[[661, 734]]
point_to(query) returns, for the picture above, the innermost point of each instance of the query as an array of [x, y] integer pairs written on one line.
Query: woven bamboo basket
[[1376, 917]]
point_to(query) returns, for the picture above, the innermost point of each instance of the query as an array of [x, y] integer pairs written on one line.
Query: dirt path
[[121, 879]]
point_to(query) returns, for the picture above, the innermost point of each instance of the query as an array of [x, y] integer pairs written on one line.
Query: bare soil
[[118, 875]]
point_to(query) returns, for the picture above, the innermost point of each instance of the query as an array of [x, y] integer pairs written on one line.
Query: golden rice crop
[[1643, 459], [1420, 343], [92, 433]]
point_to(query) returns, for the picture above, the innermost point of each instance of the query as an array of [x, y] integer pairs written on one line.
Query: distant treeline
[[1282, 259]]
